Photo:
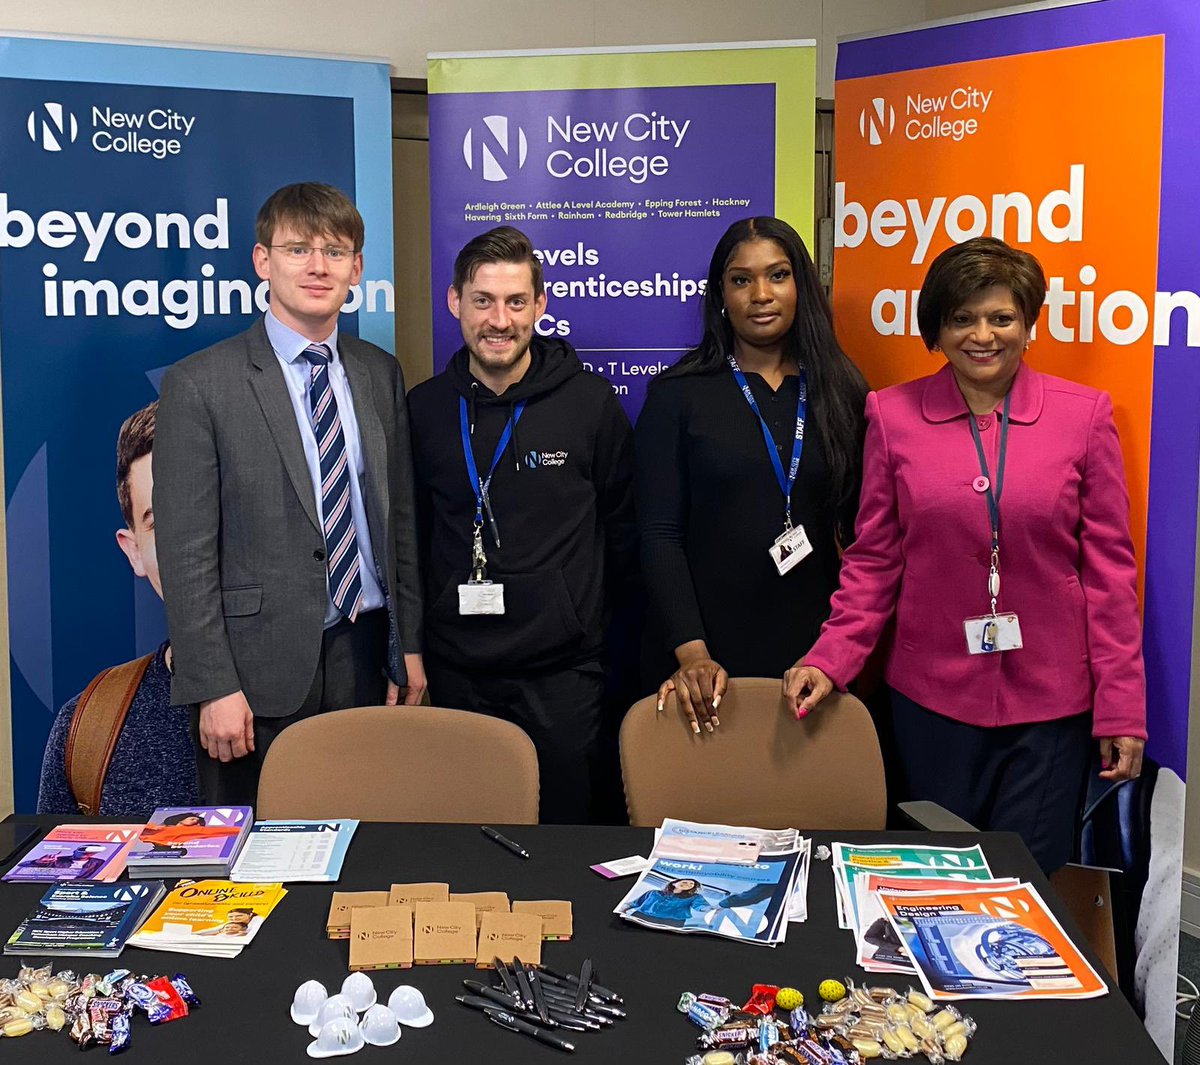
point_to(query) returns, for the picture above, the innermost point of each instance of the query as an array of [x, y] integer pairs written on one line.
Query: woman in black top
[[712, 503]]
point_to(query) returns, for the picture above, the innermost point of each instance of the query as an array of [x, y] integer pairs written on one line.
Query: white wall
[[404, 30]]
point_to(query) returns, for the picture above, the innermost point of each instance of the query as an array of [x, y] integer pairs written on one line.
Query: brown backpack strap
[[99, 717]]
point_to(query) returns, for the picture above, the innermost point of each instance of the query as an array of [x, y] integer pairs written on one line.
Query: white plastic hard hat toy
[[408, 1004], [310, 996], [380, 1026], [337, 1037], [333, 1007], [359, 989]]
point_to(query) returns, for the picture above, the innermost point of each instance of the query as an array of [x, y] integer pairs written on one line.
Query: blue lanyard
[[994, 488], [788, 482], [478, 486]]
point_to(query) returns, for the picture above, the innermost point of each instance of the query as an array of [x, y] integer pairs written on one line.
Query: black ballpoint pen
[[585, 982], [515, 1024], [506, 978], [504, 841], [539, 999], [523, 984], [561, 1000], [478, 1002], [560, 1014], [596, 1004], [564, 1004], [572, 980], [497, 1001], [498, 998]]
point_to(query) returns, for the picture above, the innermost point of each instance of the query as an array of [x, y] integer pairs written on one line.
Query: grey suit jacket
[[240, 547]]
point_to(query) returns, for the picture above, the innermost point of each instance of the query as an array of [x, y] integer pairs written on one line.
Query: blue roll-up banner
[[130, 177]]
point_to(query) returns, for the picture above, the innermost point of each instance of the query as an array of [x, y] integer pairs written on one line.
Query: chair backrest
[[401, 763], [759, 767]]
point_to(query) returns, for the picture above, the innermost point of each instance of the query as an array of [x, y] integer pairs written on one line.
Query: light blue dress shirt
[[297, 372]]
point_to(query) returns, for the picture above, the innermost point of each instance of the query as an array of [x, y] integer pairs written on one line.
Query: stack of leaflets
[[1001, 943], [93, 920], [858, 873], [740, 883], [287, 851], [190, 841], [214, 918], [78, 852], [739, 845]]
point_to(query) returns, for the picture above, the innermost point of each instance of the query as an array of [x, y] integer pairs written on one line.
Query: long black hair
[[837, 390]]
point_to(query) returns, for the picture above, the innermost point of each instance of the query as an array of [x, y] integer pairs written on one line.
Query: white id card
[[482, 597], [790, 548], [991, 633]]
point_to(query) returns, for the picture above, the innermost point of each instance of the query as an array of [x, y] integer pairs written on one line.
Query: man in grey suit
[[284, 507]]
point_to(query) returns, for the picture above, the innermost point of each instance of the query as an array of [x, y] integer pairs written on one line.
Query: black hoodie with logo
[[562, 497]]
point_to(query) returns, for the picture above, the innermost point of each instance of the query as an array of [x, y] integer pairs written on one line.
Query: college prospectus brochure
[[742, 902], [883, 857], [879, 948], [85, 919], [287, 851], [77, 852], [214, 918], [1001, 944], [190, 841]]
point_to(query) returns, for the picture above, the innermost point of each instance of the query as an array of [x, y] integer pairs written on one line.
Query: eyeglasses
[[301, 253]]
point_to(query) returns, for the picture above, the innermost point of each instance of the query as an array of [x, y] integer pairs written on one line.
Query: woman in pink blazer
[[994, 529]]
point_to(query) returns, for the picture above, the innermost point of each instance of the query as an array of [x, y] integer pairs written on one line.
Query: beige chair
[[759, 767], [406, 763]]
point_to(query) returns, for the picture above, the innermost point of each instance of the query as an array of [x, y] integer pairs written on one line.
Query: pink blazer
[[1066, 559]]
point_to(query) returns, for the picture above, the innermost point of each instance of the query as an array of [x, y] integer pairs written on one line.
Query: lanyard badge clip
[[478, 557]]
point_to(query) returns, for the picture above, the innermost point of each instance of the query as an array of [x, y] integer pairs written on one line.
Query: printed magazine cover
[[210, 917], [879, 948], [742, 902], [192, 835], [84, 919], [1003, 944], [881, 857], [945, 878], [77, 852]]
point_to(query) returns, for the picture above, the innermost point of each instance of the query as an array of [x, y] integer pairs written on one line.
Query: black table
[[246, 999]]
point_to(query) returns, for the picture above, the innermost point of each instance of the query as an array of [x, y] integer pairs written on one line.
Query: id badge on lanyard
[[993, 631], [792, 545], [480, 596]]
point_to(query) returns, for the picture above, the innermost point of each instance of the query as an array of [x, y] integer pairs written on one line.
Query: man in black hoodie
[[524, 472]]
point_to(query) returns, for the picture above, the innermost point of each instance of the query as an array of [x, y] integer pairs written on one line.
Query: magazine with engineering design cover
[[997, 944]]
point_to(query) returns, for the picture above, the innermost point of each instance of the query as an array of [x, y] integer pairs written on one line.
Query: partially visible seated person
[[153, 763]]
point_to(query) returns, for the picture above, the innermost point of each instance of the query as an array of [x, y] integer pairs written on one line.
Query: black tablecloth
[[246, 999]]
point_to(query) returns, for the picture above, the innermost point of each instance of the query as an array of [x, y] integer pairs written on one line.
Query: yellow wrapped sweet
[[832, 990]]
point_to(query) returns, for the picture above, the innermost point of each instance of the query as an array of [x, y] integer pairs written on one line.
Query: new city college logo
[[51, 125], [495, 147], [544, 459], [876, 121]]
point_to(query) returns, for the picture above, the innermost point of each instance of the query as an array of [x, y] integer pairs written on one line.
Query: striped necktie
[[341, 542]]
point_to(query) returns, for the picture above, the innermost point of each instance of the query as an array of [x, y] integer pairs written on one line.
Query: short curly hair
[[964, 270]]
